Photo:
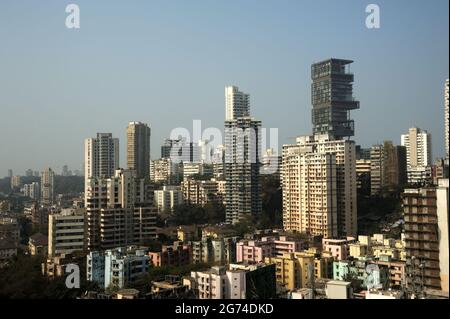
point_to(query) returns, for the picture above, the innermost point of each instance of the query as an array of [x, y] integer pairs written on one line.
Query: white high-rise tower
[[418, 155], [237, 103], [101, 156], [242, 158]]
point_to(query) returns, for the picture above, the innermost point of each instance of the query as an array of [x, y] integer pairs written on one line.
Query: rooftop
[[338, 283]]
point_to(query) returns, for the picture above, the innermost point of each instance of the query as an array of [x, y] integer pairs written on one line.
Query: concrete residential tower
[[242, 158], [319, 186], [101, 156], [119, 211], [47, 186], [138, 149], [418, 155], [237, 103]]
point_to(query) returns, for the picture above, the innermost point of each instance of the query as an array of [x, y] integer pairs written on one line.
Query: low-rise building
[[357, 269], [214, 250], [38, 244], [55, 266], [255, 251], [168, 198], [384, 294], [9, 229], [173, 287], [396, 270], [66, 232], [218, 232], [338, 289], [339, 248], [199, 192], [357, 250], [237, 282], [381, 251], [127, 294], [188, 233], [120, 266], [8, 249], [293, 270], [176, 255]]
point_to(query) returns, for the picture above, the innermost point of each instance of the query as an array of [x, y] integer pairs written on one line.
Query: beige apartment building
[[101, 156], [66, 232], [319, 186], [418, 155], [119, 211], [388, 167], [422, 233], [47, 187], [363, 172], [198, 192], [138, 148]]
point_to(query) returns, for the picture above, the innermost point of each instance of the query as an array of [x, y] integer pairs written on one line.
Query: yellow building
[[358, 250], [403, 254], [292, 268], [378, 251], [187, 233], [286, 271]]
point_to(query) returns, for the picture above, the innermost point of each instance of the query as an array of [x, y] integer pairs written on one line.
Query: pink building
[[255, 251], [338, 248], [285, 245]]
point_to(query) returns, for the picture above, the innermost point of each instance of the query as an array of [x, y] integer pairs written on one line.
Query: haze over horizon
[[167, 63]]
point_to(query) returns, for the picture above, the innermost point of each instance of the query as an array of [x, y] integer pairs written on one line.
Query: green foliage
[[26, 229], [69, 184], [355, 283], [245, 226], [272, 215], [22, 278], [153, 245], [143, 282], [5, 185], [373, 209], [186, 214]]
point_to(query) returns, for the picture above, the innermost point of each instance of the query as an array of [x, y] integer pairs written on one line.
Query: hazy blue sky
[[167, 62]]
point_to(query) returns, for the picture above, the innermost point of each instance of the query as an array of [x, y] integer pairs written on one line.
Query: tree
[[271, 196], [354, 281], [22, 278], [188, 214]]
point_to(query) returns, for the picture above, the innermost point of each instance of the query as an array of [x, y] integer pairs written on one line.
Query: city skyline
[[173, 94], [267, 152]]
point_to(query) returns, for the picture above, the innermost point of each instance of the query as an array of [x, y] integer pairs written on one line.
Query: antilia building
[[318, 172]]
